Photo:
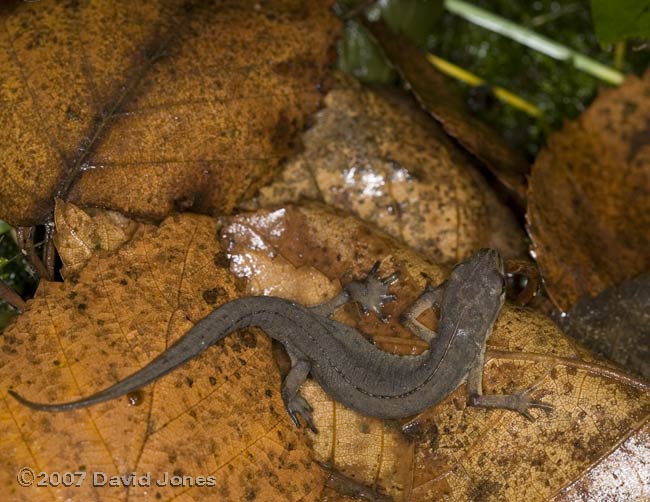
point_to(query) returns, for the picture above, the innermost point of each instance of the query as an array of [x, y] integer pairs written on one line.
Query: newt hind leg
[[295, 404], [519, 401]]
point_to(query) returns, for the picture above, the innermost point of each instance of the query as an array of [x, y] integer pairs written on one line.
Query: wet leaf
[[375, 154], [611, 478], [221, 414], [616, 324], [150, 107], [589, 202], [444, 102], [454, 452]]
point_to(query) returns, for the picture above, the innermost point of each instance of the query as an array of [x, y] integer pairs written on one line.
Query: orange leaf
[[151, 107], [589, 202], [222, 415]]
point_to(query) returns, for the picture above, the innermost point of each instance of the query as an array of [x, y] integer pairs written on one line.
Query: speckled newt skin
[[349, 368]]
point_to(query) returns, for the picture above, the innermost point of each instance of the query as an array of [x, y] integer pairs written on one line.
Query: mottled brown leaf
[[589, 202], [147, 107], [454, 452], [375, 154], [221, 414], [444, 102]]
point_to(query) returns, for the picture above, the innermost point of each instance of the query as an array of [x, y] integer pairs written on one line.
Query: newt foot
[[524, 402], [298, 405], [372, 292], [520, 402]]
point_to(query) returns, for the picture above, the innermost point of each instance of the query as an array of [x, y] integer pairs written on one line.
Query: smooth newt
[[348, 367]]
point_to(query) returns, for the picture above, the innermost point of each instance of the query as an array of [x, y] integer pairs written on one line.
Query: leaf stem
[[590, 367], [25, 241], [469, 78], [535, 41], [11, 297]]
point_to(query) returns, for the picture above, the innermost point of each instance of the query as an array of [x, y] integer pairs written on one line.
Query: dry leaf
[[444, 102], [456, 453], [147, 107], [378, 156], [79, 234], [611, 478], [219, 415], [589, 202], [222, 413]]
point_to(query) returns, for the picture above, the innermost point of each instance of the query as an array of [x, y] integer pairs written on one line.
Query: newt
[[350, 369]]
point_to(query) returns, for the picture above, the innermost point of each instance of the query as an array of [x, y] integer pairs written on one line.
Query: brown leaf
[[589, 202], [79, 234], [375, 154], [147, 107], [455, 452], [445, 103], [221, 414]]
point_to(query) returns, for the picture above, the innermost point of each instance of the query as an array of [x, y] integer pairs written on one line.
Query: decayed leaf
[[611, 478], [219, 415], [305, 254], [222, 413], [145, 107], [455, 452], [376, 155], [445, 104], [79, 234], [616, 324], [589, 202]]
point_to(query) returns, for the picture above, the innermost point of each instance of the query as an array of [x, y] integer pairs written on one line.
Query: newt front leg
[[371, 293], [433, 297]]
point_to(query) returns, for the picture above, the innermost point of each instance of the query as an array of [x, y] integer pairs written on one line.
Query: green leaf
[[6, 314], [616, 20], [360, 56], [414, 18]]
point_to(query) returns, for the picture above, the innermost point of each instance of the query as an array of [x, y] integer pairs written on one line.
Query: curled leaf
[[589, 201], [79, 234], [438, 97], [375, 154]]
